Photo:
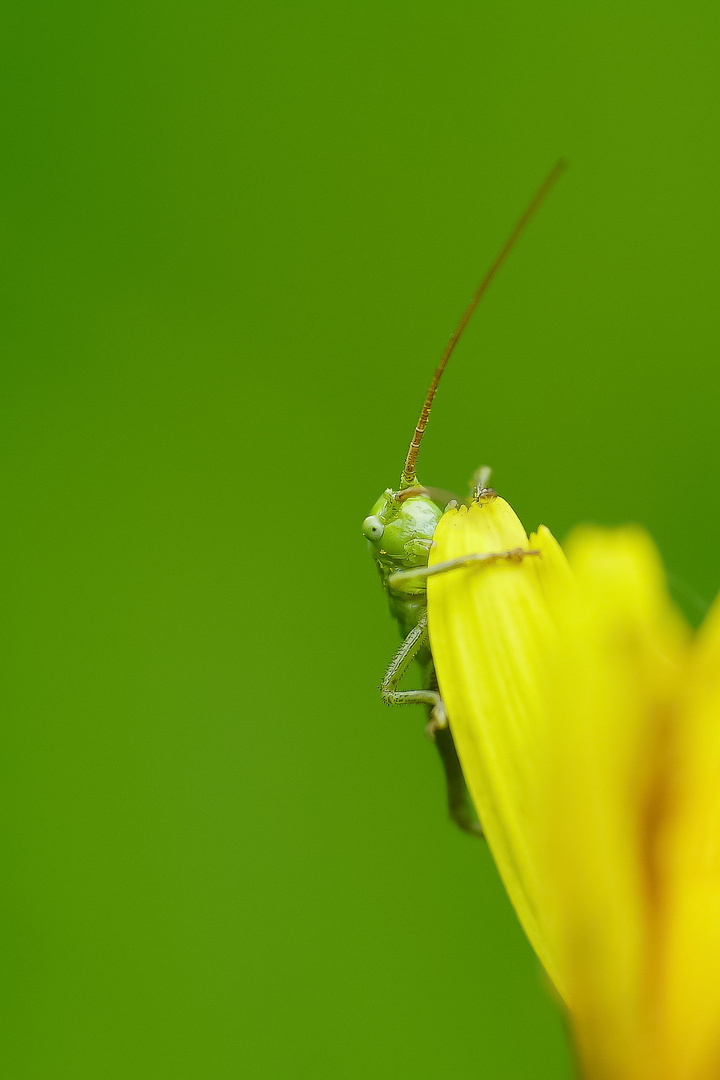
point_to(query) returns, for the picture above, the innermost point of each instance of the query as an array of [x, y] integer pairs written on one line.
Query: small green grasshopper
[[399, 531]]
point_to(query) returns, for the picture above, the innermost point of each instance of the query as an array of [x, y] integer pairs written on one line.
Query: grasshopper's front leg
[[460, 805], [422, 573], [398, 666]]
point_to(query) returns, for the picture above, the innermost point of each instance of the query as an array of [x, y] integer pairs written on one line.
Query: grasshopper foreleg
[[399, 665], [460, 805], [422, 573]]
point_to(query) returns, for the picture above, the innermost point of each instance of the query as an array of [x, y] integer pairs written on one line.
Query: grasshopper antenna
[[408, 478]]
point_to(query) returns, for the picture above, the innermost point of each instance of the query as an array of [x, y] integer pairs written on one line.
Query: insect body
[[399, 531]]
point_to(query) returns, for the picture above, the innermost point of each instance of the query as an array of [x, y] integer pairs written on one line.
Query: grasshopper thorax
[[400, 528]]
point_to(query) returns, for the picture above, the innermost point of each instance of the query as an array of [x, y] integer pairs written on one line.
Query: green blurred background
[[236, 240]]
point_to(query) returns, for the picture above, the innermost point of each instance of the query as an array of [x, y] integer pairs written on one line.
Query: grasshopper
[[399, 531]]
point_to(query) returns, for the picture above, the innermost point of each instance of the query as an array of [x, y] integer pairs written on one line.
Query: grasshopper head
[[400, 528]]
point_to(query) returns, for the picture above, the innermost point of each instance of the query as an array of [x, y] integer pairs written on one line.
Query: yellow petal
[[490, 631], [611, 694], [564, 697], [690, 991]]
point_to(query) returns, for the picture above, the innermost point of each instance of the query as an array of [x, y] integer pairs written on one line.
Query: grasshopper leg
[[422, 573], [460, 805], [399, 664]]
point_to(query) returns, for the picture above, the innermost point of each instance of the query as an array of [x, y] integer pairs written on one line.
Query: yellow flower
[[587, 720]]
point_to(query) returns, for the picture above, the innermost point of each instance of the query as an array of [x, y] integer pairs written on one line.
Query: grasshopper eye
[[373, 528]]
